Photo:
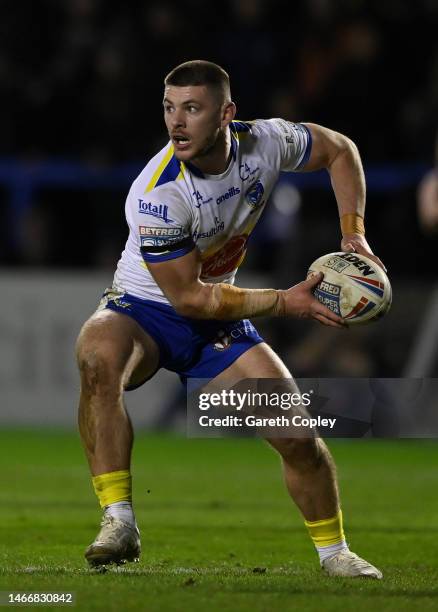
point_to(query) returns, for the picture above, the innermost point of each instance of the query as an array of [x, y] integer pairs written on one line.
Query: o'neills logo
[[232, 191]]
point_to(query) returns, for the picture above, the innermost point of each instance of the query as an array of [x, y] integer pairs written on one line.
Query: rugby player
[[190, 213]]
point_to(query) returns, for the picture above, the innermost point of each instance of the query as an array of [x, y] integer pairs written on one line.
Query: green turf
[[218, 530]]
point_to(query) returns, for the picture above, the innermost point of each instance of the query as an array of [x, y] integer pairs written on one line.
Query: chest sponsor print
[[219, 226], [200, 199], [226, 259]]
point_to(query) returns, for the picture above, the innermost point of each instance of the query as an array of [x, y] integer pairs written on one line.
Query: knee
[[98, 371]]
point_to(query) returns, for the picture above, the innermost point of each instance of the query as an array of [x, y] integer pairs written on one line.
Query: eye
[[192, 109], [168, 108]]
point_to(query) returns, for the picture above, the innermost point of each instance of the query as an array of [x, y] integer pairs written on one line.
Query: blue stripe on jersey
[[194, 170], [233, 145], [157, 257], [170, 172], [308, 150]]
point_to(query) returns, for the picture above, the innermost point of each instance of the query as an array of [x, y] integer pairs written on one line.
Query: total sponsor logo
[[231, 193], [218, 227], [159, 211]]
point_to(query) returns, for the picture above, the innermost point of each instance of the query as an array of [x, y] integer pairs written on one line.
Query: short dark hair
[[200, 72]]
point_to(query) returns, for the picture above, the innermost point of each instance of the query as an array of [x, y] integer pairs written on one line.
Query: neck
[[216, 159]]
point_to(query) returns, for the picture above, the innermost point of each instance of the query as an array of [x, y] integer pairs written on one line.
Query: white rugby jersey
[[172, 207]]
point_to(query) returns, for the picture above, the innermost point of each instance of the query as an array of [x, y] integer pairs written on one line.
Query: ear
[[228, 113]]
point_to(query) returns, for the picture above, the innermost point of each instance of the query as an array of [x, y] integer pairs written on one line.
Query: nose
[[177, 119]]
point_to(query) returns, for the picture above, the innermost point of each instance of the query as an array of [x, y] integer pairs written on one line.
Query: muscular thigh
[[262, 362], [116, 343]]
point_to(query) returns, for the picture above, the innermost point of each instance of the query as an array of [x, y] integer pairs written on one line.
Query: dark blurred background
[[81, 90]]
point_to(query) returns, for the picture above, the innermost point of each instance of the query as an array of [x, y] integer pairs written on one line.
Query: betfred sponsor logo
[[329, 295], [226, 259], [165, 232], [232, 191], [160, 211], [329, 288], [330, 301]]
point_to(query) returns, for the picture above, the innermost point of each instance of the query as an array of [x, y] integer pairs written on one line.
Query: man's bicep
[[177, 277], [326, 145]]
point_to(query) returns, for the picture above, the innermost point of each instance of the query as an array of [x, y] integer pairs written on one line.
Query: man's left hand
[[356, 243]]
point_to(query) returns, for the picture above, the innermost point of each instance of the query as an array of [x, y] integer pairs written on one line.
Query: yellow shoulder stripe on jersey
[[240, 129], [169, 169]]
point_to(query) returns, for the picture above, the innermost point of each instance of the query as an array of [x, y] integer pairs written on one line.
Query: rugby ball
[[354, 287]]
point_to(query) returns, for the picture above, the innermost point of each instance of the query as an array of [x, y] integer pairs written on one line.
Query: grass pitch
[[218, 530]]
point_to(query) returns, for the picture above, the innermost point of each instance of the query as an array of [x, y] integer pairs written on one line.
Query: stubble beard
[[207, 148]]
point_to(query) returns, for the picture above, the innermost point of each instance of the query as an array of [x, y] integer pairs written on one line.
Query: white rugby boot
[[117, 542], [348, 564]]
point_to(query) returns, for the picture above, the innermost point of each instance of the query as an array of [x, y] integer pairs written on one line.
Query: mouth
[[180, 141]]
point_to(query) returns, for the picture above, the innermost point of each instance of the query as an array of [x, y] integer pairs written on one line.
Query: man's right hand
[[299, 302]]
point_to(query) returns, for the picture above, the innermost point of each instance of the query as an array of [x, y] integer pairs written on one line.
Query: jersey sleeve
[[160, 221], [294, 141]]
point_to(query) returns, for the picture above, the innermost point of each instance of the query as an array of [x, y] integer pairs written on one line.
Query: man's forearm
[[226, 302], [348, 181]]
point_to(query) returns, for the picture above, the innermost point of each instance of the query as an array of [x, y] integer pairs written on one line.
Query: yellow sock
[[326, 532], [113, 487]]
